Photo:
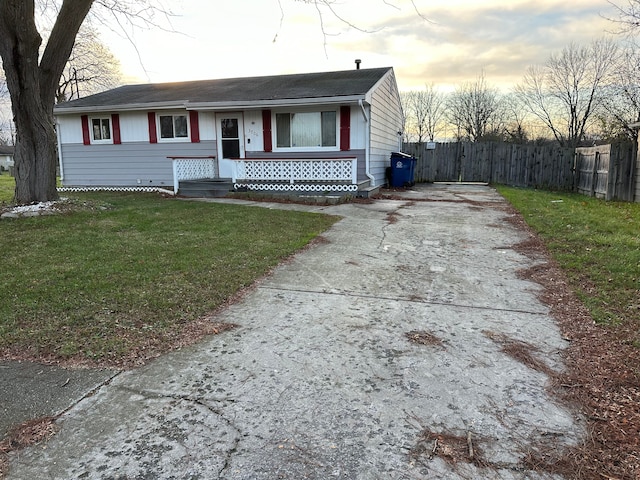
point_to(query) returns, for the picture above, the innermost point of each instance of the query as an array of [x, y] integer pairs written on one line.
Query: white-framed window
[[173, 127], [101, 130], [306, 129]]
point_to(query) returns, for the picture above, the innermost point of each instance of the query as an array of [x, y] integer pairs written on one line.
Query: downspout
[[59, 149], [367, 130]]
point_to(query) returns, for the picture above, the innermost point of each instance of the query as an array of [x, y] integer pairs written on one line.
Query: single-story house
[[330, 131], [6, 156]]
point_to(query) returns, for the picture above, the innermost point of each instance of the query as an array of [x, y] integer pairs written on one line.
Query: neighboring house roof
[[7, 149], [235, 92]]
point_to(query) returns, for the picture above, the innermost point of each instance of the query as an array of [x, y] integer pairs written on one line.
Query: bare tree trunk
[[32, 83], [35, 154]]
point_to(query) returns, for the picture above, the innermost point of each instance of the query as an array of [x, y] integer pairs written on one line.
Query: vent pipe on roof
[[358, 62]]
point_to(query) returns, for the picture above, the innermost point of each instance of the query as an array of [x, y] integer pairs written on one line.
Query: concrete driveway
[[376, 354]]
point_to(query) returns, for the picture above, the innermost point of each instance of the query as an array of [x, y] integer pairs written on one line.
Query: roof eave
[[283, 102], [127, 107], [214, 106]]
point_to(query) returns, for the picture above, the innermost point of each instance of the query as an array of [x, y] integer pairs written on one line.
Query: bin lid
[[400, 154]]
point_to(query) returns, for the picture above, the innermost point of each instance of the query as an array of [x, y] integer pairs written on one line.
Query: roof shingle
[[243, 89]]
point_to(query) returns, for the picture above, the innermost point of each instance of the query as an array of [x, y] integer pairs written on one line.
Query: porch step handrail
[[192, 168]]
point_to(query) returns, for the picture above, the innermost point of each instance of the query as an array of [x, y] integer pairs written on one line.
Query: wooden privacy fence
[[494, 162], [607, 171]]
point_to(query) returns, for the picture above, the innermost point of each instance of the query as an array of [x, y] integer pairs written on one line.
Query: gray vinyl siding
[[358, 154], [131, 164]]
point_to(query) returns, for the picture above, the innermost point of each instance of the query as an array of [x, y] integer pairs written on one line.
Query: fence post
[[594, 175], [612, 174], [575, 170], [632, 173]]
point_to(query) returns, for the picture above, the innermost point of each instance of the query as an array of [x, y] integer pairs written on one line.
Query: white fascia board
[[288, 102], [389, 73], [131, 107], [202, 106]]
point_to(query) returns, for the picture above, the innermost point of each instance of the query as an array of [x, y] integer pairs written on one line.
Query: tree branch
[[60, 44]]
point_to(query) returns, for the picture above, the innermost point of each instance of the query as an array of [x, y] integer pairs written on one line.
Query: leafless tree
[[627, 16], [33, 72], [424, 110], [566, 92], [91, 68], [622, 96], [475, 110], [516, 120]]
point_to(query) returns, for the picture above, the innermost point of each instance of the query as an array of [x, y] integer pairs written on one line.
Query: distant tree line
[[582, 95]]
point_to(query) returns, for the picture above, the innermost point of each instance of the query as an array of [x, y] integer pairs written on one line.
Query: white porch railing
[[291, 174], [192, 168]]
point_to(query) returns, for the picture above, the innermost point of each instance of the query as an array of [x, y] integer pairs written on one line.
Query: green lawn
[[596, 242], [127, 272], [7, 186]]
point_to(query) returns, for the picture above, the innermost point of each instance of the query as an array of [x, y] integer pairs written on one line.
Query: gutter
[[59, 151], [128, 107], [283, 102], [367, 160], [211, 106]]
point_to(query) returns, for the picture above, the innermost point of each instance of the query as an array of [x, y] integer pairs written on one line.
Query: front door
[[230, 135]]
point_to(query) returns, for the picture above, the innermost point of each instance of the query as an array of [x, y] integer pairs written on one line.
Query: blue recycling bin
[[403, 168]]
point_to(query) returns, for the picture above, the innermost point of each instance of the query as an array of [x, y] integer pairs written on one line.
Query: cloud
[[448, 43], [499, 38]]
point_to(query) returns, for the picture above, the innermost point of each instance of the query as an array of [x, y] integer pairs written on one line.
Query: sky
[[444, 42]]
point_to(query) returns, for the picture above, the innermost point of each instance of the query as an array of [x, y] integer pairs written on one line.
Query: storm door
[[230, 136]]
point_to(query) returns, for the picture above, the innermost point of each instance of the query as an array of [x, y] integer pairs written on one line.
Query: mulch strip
[[601, 380]]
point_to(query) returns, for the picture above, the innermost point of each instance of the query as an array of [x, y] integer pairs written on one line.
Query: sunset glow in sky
[[448, 42]]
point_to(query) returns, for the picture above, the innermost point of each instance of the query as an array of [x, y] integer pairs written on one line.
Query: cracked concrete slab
[[30, 390], [321, 379]]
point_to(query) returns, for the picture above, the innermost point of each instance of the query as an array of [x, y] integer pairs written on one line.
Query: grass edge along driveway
[[596, 243], [117, 278]]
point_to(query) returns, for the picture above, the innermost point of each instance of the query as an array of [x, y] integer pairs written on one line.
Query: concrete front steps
[[205, 187]]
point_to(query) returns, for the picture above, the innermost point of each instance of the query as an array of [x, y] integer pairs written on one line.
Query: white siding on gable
[[386, 123]]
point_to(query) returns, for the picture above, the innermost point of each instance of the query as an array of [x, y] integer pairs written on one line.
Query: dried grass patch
[[422, 337], [523, 352], [453, 449], [24, 435]]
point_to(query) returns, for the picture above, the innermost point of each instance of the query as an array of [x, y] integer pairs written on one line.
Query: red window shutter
[[266, 130], [195, 126], [345, 128], [115, 125], [86, 138], [153, 133]]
